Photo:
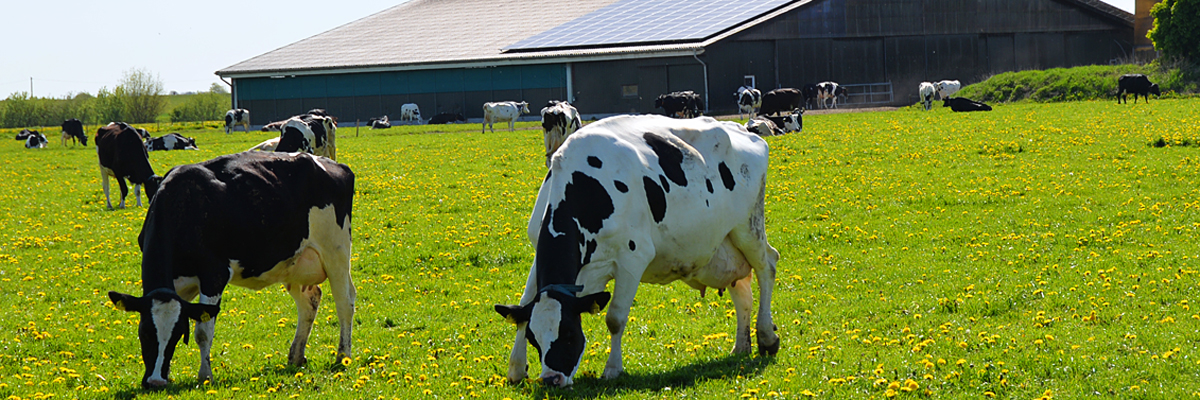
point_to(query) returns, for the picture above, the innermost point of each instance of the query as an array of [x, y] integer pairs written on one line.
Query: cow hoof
[[612, 373], [301, 361], [768, 350]]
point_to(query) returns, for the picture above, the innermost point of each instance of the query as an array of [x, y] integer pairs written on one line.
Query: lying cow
[[72, 130], [642, 199], [235, 117], [123, 156], [446, 118], [749, 99], [963, 104], [788, 123], [947, 88], [266, 145], [559, 120], [685, 104], [763, 126], [927, 90], [503, 111], [311, 133], [247, 219], [274, 126], [25, 134], [1136, 84], [379, 123], [35, 140], [410, 112], [171, 141], [781, 101]]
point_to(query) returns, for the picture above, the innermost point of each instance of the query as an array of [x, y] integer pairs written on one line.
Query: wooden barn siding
[[598, 85]]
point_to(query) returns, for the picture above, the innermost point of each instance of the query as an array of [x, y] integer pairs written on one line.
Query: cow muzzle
[[555, 378]]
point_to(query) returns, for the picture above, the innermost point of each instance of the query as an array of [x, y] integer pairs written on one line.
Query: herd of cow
[[628, 199]]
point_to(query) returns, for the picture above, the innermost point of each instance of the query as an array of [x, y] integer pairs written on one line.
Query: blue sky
[[80, 46]]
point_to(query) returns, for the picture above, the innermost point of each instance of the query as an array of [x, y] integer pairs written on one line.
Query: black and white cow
[[410, 112], [963, 104], [927, 90], [685, 104], [789, 123], [274, 126], [828, 93], [502, 111], [781, 101], [379, 123], [171, 141], [1136, 84], [310, 133], [123, 156], [35, 140], [247, 219], [642, 199], [947, 88], [72, 130], [235, 117], [559, 120], [446, 118], [763, 126], [25, 134], [749, 99]]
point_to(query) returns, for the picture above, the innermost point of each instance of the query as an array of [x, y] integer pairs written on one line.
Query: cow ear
[[200, 312], [592, 303], [514, 314], [126, 302]]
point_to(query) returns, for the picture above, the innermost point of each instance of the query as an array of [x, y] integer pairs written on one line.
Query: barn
[[617, 56]]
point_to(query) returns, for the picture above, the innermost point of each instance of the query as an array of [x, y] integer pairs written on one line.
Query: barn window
[[748, 81], [629, 91]]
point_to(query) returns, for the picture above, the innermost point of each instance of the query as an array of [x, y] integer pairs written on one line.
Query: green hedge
[[1078, 83]]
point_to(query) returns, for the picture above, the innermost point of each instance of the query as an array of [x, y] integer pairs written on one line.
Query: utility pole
[[31, 87]]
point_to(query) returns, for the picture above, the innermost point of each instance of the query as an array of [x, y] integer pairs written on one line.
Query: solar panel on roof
[[649, 21]]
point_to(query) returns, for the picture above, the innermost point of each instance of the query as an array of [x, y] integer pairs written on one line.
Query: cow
[[171, 141], [235, 117], [685, 104], [72, 130], [274, 126], [642, 198], [266, 145], [748, 99], [503, 111], [143, 133], [247, 219], [559, 120], [963, 104], [25, 134], [310, 133], [926, 90], [947, 88], [410, 112], [763, 126], [446, 118], [1136, 84], [788, 123], [828, 93], [780, 101], [123, 156], [379, 123], [35, 140]]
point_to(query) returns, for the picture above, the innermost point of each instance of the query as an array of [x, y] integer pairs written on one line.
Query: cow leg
[[624, 289], [751, 239], [308, 299], [204, 336], [137, 194], [743, 304], [337, 268], [510, 125], [104, 184], [124, 190], [517, 359]]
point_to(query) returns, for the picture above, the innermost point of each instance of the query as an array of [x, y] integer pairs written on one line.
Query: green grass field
[[1036, 251]]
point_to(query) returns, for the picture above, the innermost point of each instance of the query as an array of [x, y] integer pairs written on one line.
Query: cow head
[[793, 122], [524, 107], [1153, 89], [553, 326], [165, 318]]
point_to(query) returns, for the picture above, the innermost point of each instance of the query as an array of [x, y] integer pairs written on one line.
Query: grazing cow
[[749, 99], [559, 120], [963, 104], [446, 118], [1136, 84], [379, 123], [274, 126], [72, 130], [947, 88], [235, 117], [35, 140], [763, 126], [650, 199], [926, 90], [247, 219], [25, 134], [171, 141], [410, 112], [685, 104], [266, 145], [503, 111], [310, 133], [788, 123], [123, 156], [781, 101], [828, 93]]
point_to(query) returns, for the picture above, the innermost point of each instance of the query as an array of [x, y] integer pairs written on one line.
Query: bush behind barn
[[1093, 82]]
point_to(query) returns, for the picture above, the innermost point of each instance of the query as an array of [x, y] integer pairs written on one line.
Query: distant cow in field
[[749, 99], [926, 90], [72, 130], [828, 93], [235, 117], [244, 219], [559, 120], [309, 133], [25, 134], [781, 101], [947, 88], [685, 104], [410, 112], [446, 118], [809, 91], [1136, 84], [962, 104], [35, 140], [763, 126], [123, 156], [502, 111], [790, 122], [379, 123], [171, 141]]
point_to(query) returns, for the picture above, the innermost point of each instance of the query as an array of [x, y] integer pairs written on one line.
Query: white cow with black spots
[[636, 199], [926, 90], [947, 88], [504, 111], [559, 120]]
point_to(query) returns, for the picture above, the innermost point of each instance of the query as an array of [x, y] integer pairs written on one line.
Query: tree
[[1176, 31], [142, 93], [218, 88], [21, 110]]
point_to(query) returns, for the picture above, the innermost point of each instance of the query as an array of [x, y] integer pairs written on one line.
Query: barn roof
[[422, 34]]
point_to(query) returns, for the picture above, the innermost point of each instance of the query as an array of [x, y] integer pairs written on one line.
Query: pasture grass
[[1036, 251]]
